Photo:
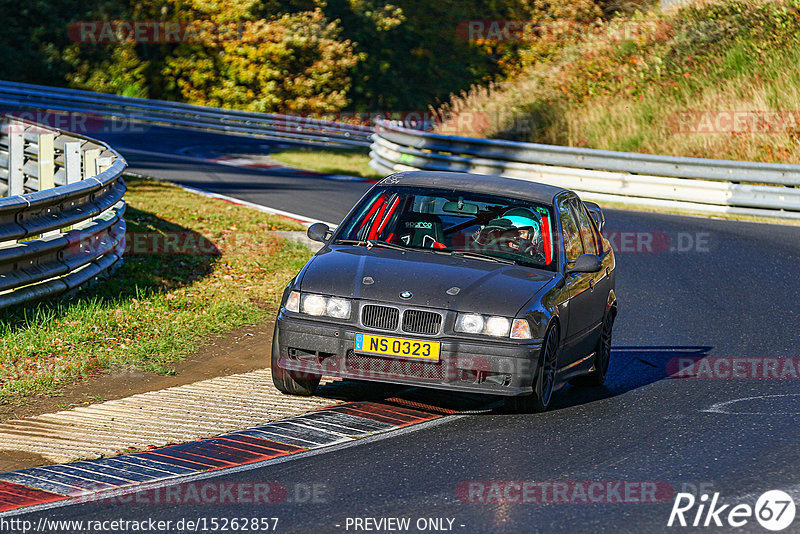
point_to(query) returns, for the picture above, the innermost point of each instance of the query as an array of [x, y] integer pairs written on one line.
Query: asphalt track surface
[[319, 198], [733, 292]]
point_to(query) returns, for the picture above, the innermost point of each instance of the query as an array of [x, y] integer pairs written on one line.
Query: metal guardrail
[[61, 215], [159, 112], [695, 184], [713, 186]]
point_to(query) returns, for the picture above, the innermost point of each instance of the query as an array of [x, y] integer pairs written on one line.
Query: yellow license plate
[[397, 347]]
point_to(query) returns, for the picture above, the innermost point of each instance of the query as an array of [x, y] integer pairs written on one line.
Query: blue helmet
[[522, 218]]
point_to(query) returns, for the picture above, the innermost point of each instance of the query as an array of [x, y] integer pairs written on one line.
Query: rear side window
[[588, 237], [569, 229]]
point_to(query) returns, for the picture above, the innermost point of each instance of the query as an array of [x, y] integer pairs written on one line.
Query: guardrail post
[[90, 162], [16, 159], [46, 161], [72, 162]]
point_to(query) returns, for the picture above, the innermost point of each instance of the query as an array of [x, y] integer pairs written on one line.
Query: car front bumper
[[497, 367]]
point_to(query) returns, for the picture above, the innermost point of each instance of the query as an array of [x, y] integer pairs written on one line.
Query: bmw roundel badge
[[406, 295]]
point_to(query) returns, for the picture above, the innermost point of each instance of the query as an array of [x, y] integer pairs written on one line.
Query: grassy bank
[[352, 162], [714, 80], [157, 308]]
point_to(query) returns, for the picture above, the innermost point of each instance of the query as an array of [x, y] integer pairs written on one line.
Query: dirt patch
[[13, 460], [245, 349]]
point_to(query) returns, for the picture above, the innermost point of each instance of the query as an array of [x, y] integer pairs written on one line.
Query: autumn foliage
[[295, 56]]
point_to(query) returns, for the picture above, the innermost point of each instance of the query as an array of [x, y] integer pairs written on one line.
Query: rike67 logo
[[774, 510]]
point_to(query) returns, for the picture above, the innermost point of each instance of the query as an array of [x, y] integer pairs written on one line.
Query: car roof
[[477, 183]]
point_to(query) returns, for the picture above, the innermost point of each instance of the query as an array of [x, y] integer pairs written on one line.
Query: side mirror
[[596, 213], [318, 232], [586, 263]]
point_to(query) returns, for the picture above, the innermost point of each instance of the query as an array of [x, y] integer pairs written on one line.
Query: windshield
[[449, 221]]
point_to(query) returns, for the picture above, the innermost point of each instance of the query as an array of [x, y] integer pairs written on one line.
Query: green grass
[[353, 162], [156, 309]]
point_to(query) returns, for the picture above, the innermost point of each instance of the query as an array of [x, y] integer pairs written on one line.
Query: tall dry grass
[[658, 83]]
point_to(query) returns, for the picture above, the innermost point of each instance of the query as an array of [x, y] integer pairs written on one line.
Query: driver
[[517, 230], [526, 233]]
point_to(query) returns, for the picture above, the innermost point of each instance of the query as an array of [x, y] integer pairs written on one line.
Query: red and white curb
[[92, 480]]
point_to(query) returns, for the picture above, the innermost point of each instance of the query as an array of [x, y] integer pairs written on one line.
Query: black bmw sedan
[[454, 281]]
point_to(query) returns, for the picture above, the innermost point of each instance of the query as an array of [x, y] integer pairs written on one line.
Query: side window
[[569, 229], [586, 227]]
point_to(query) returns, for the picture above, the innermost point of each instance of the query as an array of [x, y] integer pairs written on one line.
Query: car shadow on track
[[450, 402], [631, 368]]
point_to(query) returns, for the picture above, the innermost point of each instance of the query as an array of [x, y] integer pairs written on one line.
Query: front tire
[[602, 356], [290, 382], [545, 382]]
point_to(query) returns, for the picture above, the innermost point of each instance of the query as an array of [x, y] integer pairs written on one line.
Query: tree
[[293, 63]]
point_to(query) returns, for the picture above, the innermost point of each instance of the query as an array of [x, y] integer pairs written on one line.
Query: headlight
[[317, 305], [472, 323], [338, 308], [293, 302], [497, 326], [313, 304]]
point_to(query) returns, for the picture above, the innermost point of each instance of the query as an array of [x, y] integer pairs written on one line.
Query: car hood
[[485, 287]]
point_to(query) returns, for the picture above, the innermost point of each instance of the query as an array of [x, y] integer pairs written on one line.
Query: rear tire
[[602, 356], [290, 382], [544, 384]]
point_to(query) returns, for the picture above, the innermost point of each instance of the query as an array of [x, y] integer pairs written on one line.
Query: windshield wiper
[[481, 256], [385, 244], [369, 243]]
